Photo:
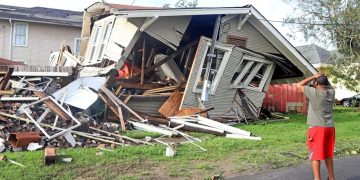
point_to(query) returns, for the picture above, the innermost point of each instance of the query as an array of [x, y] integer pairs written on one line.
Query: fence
[[27, 68]]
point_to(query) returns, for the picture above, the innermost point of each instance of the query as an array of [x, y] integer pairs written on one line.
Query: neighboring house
[[316, 55], [249, 54], [29, 35], [321, 59]]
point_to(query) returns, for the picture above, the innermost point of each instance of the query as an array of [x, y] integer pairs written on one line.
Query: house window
[[217, 67], [104, 40], [20, 34], [252, 73], [237, 41], [99, 39], [77, 46]]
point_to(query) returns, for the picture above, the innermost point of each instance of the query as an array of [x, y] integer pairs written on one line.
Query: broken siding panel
[[255, 97], [169, 29], [147, 104], [224, 96], [255, 41], [190, 99]]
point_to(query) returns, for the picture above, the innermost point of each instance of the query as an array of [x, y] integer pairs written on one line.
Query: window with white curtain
[[20, 34]]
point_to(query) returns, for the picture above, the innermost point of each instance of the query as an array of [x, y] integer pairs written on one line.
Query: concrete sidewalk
[[346, 168]]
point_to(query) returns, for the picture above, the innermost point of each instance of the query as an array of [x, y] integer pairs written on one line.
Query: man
[[321, 133]]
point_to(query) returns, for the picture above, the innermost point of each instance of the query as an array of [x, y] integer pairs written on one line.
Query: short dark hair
[[323, 80]]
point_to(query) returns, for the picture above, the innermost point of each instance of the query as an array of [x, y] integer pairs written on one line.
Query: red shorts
[[321, 142]]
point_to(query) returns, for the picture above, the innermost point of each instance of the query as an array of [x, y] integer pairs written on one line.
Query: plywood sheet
[[171, 105]]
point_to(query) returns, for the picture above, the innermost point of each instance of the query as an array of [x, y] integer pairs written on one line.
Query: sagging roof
[[257, 20], [42, 15]]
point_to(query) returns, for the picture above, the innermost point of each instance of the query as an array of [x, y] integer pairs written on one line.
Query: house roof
[[258, 21], [42, 15], [129, 7], [314, 54], [5, 62]]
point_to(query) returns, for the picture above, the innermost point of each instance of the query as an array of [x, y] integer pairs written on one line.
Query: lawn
[[282, 145]]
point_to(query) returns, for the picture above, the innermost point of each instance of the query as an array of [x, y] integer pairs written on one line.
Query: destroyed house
[[175, 61]]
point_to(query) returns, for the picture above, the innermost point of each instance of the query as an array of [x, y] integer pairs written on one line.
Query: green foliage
[[334, 22]]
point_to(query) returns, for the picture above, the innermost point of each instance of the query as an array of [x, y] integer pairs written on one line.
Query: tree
[[183, 4], [332, 22]]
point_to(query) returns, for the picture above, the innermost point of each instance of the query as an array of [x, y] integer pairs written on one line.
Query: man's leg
[[330, 168], [316, 169]]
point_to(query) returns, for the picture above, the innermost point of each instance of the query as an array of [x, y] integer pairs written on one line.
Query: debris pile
[[86, 113]]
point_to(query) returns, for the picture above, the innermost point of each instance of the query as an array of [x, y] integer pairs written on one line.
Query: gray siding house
[[249, 54], [29, 35]]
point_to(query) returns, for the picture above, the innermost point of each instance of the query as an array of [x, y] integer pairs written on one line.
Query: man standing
[[321, 133]]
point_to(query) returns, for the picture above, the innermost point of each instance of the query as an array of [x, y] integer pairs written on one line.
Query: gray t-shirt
[[321, 103]]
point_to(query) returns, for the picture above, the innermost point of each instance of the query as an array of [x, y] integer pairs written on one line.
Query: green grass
[[282, 145]]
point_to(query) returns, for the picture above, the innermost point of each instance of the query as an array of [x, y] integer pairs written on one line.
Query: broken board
[[171, 105]]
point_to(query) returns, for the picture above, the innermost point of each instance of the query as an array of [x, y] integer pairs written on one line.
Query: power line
[[309, 23]]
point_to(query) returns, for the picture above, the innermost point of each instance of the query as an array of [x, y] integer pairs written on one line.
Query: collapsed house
[[220, 58], [158, 70]]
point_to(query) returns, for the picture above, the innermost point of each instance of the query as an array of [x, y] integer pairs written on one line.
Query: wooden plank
[[191, 111], [121, 118], [158, 90], [171, 105], [142, 63], [6, 78], [115, 100], [127, 99], [132, 85], [6, 92], [63, 115], [118, 89]]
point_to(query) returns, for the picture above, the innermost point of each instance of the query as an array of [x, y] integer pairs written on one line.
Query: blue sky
[[272, 9]]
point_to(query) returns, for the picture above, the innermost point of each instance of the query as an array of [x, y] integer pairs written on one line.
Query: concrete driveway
[[346, 168]]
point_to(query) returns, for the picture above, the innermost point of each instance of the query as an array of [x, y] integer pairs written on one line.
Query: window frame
[[251, 60], [26, 34], [77, 40], [220, 71], [93, 47]]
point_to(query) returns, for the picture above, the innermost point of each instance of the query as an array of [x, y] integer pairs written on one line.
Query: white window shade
[[20, 34]]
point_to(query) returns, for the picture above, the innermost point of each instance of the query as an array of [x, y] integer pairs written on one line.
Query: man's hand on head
[[317, 75]]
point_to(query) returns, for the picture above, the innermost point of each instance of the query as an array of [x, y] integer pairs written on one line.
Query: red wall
[[285, 98]]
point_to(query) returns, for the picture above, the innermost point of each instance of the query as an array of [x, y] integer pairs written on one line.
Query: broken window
[[217, 66], [252, 73]]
